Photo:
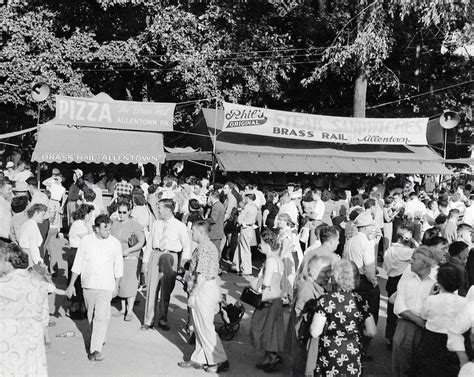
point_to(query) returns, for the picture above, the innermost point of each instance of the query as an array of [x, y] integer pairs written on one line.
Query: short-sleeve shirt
[[123, 188], [205, 260], [122, 230]]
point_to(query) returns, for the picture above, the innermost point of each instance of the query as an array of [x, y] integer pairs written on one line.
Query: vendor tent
[[250, 152], [101, 130], [58, 143]]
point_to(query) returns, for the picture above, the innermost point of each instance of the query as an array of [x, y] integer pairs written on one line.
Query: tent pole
[[445, 142], [38, 174], [213, 170]]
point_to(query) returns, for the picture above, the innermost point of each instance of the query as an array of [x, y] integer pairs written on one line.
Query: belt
[[131, 258], [167, 251]]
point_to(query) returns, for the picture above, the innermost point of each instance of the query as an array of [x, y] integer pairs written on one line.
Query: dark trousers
[[230, 248], [432, 358], [391, 288], [161, 280], [44, 229], [372, 295], [78, 308]]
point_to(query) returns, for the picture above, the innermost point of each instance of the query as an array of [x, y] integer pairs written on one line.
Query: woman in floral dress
[[342, 317]]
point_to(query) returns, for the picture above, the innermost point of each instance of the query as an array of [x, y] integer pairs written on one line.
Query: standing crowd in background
[[323, 254]]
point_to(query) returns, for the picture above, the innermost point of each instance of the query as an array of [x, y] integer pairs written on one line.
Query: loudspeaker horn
[[449, 119], [40, 91]]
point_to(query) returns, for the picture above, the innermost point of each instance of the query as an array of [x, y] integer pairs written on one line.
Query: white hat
[[78, 172], [364, 219], [10, 164]]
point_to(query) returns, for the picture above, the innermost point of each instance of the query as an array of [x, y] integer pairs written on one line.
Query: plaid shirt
[[123, 188]]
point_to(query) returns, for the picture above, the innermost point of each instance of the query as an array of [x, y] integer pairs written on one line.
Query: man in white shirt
[[469, 214], [5, 208], [414, 205], [259, 196], [248, 217], [319, 207], [288, 206], [450, 229], [169, 247], [360, 250], [329, 237], [22, 172], [99, 261], [395, 262], [412, 291]]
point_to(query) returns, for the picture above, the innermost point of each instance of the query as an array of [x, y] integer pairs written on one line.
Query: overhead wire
[[420, 94]]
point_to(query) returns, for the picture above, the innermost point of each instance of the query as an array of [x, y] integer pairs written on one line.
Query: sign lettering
[[124, 115], [300, 126]]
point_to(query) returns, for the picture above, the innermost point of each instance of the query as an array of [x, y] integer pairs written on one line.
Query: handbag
[[251, 297], [132, 240]]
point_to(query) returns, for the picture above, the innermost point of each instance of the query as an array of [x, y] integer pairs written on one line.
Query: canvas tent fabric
[[419, 160], [237, 152], [186, 154], [59, 143]]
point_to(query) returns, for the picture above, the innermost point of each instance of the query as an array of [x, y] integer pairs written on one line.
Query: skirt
[[433, 358], [267, 330], [129, 282]]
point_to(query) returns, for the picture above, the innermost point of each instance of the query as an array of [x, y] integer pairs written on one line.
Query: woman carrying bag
[[267, 330]]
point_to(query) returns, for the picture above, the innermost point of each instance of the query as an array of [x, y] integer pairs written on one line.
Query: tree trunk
[[360, 93]]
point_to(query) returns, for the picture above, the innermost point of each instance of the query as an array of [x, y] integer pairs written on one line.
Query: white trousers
[[209, 349], [98, 313], [243, 255]]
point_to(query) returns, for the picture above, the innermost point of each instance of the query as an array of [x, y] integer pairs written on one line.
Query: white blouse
[[30, 241], [439, 311], [78, 230]]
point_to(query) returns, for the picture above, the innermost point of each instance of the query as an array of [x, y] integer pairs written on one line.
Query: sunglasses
[[122, 212]]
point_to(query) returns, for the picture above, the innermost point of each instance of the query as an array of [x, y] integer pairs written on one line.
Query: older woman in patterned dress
[[341, 318]]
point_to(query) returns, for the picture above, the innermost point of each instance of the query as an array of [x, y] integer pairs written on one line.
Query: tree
[[366, 37], [34, 52]]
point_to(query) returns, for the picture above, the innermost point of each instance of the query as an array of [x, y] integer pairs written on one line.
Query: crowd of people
[[324, 252]]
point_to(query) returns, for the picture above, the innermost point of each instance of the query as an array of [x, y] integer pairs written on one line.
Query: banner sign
[[283, 124], [97, 158], [123, 115]]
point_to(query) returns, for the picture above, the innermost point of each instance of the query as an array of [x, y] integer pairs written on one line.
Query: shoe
[[261, 365], [163, 326], [51, 324], [146, 327], [128, 317], [273, 366], [118, 314], [190, 364], [218, 368], [96, 356]]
